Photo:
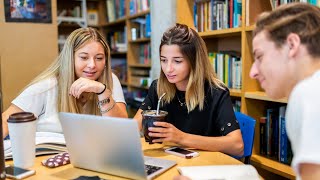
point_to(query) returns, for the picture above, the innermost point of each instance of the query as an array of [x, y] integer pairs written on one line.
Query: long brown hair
[[194, 50]]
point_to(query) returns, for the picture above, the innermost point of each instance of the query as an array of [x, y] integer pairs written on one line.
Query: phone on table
[[185, 153], [17, 172]]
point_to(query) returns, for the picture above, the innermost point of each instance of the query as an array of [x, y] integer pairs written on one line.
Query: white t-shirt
[[41, 99], [303, 122]]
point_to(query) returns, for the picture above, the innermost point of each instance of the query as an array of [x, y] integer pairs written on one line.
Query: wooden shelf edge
[[140, 40], [273, 166], [121, 20], [140, 87], [235, 92], [259, 95], [142, 13], [221, 33], [250, 28], [140, 65], [123, 83], [118, 53]]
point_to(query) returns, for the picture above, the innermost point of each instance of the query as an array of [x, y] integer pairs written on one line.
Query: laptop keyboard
[[151, 169]]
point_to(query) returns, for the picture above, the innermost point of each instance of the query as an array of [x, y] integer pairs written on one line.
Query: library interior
[[133, 30]]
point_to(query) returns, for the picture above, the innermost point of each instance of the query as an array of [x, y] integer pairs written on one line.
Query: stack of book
[[46, 143]]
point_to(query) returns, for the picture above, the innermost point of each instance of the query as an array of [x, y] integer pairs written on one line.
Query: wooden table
[[154, 150]]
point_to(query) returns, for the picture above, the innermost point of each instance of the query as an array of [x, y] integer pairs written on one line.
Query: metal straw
[[159, 102]]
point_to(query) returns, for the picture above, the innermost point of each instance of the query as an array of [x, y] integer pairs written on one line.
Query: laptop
[[109, 145]]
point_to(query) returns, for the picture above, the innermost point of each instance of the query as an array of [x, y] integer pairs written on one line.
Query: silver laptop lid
[[93, 145]]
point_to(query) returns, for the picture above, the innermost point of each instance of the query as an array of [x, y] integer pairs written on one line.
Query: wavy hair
[[302, 19], [63, 68], [194, 50]]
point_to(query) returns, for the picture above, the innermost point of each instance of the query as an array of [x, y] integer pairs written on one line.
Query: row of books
[[145, 53], [274, 142], [137, 6], [141, 27], [276, 3], [228, 67], [236, 105], [140, 81], [117, 40], [217, 14], [72, 12], [115, 9]]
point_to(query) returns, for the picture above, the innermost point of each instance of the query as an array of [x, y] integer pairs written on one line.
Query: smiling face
[[90, 60], [175, 67], [270, 67]]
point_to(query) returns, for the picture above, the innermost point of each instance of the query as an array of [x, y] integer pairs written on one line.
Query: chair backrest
[[247, 127]]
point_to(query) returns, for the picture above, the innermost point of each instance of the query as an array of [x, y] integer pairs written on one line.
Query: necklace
[[181, 103]]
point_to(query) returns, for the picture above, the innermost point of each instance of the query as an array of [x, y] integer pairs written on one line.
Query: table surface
[[154, 150]]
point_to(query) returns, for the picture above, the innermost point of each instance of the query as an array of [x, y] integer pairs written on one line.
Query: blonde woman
[[78, 81], [200, 113]]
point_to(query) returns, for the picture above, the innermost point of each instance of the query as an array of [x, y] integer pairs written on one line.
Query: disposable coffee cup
[[22, 131], [148, 118]]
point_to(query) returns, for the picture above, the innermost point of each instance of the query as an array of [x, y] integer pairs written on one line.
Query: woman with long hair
[[78, 81], [200, 112]]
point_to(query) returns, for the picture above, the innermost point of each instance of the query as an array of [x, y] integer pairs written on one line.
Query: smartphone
[[18, 173], [185, 153]]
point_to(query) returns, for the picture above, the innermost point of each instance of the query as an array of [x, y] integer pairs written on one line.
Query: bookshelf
[[74, 14], [129, 22], [254, 101]]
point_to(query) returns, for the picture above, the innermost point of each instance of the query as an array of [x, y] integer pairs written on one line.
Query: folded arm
[[5, 115]]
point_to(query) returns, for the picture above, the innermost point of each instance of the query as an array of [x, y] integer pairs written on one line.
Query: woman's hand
[[166, 132], [85, 85]]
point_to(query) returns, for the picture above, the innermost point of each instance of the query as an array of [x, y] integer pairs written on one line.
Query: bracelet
[[104, 101], [108, 109], [105, 87]]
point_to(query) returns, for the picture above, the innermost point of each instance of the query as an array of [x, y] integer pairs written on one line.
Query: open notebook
[[46, 143], [226, 172]]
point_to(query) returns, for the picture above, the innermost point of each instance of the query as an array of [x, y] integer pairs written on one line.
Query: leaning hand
[[166, 132], [85, 85]]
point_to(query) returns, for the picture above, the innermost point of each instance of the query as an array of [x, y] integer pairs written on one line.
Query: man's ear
[[293, 41]]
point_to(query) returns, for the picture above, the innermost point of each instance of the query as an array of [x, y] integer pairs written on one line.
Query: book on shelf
[[283, 139], [46, 143], [92, 17]]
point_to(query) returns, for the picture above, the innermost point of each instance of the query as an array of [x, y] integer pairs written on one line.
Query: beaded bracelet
[[108, 109], [104, 101], [104, 89]]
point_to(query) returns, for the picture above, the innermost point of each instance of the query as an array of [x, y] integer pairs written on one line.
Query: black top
[[216, 119]]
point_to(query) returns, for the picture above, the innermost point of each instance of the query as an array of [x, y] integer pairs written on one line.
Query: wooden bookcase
[[254, 101]]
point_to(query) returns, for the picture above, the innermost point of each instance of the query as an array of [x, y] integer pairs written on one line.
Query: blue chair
[[247, 127]]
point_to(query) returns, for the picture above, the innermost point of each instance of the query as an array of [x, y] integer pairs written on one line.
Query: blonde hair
[[194, 50], [302, 19], [63, 69]]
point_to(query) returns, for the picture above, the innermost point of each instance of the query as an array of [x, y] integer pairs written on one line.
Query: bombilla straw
[[159, 102]]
